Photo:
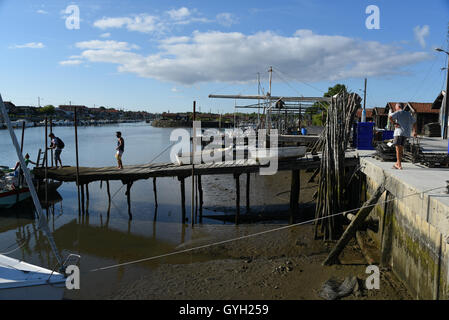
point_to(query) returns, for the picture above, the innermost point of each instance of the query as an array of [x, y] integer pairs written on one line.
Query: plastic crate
[[387, 135]]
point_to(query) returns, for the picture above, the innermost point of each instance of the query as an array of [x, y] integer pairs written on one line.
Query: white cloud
[[70, 62], [40, 11], [105, 35], [143, 23], [235, 57], [31, 45], [421, 33], [147, 23], [110, 45], [226, 19], [179, 14]]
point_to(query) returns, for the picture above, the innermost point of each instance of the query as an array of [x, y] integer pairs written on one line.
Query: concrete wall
[[412, 234]]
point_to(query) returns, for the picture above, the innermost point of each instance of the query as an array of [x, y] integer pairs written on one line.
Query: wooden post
[[82, 198], [193, 162], [353, 226], [248, 182], [155, 191], [196, 199], [109, 197], [294, 194], [46, 160], [183, 198], [51, 151], [128, 197], [77, 163], [237, 198], [387, 231], [200, 190], [87, 198]]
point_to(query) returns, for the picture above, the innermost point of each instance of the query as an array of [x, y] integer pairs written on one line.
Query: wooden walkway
[[132, 173], [138, 172]]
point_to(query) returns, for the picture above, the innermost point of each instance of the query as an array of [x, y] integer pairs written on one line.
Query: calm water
[[104, 240]]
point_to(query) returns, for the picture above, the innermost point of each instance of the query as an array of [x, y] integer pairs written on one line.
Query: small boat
[[213, 155], [9, 198], [284, 153], [19, 280]]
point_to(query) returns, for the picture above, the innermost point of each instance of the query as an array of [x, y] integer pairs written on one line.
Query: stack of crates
[[364, 135]]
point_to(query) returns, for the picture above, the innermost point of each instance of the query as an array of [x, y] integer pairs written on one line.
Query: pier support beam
[[294, 194], [200, 191], [87, 198], [82, 199], [183, 198], [237, 197], [128, 197], [248, 183], [155, 192]]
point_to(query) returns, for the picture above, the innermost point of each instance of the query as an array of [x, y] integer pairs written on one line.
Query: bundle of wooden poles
[[334, 141]]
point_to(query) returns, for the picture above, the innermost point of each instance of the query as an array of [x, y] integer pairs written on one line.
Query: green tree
[[48, 109]]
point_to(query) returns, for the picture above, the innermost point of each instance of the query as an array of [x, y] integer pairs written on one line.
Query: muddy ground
[[284, 264]]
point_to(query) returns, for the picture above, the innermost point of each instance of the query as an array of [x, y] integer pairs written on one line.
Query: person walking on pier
[[403, 121], [120, 149], [58, 145]]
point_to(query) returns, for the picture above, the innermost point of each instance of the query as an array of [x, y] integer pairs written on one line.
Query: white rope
[[255, 234]]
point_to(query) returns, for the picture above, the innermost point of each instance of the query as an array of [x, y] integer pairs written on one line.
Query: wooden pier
[[132, 173]]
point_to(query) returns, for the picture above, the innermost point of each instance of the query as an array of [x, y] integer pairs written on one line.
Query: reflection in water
[[105, 236]]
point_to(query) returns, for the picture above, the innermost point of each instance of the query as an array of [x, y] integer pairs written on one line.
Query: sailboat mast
[[42, 220]]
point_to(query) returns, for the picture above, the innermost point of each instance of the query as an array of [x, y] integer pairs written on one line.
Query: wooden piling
[[200, 191], [51, 151], [87, 198], [77, 163], [46, 160], [155, 192], [128, 197], [193, 162], [196, 198], [183, 198], [351, 230], [109, 197], [248, 182], [82, 199], [294, 194], [237, 197]]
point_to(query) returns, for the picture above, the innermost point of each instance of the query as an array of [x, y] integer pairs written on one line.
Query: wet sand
[[282, 264]]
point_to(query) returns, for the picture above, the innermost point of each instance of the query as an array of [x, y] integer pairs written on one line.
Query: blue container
[[304, 131], [387, 135], [364, 135]]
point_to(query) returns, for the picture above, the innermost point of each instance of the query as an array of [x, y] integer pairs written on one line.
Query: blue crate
[[364, 136], [387, 135]]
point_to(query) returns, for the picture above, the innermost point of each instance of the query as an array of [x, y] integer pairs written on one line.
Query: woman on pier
[[120, 149]]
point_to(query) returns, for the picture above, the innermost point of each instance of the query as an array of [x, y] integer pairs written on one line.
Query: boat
[[282, 153], [19, 280], [9, 198], [213, 155]]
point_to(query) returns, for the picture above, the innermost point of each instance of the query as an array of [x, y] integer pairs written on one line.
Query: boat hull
[[37, 292], [10, 198]]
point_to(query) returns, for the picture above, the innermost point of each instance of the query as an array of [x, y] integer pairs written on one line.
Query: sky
[[160, 56]]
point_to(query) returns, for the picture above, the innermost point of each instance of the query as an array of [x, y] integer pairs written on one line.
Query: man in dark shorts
[[120, 149], [403, 121], [58, 145]]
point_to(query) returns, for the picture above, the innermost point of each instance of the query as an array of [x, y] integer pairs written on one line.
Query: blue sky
[[162, 55]]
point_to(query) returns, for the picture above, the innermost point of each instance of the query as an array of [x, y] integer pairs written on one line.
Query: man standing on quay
[[403, 121]]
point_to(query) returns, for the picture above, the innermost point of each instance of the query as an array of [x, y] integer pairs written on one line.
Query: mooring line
[[257, 233]]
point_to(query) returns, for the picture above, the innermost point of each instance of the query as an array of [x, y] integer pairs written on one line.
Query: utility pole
[[258, 100], [271, 76], [364, 104], [446, 99]]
